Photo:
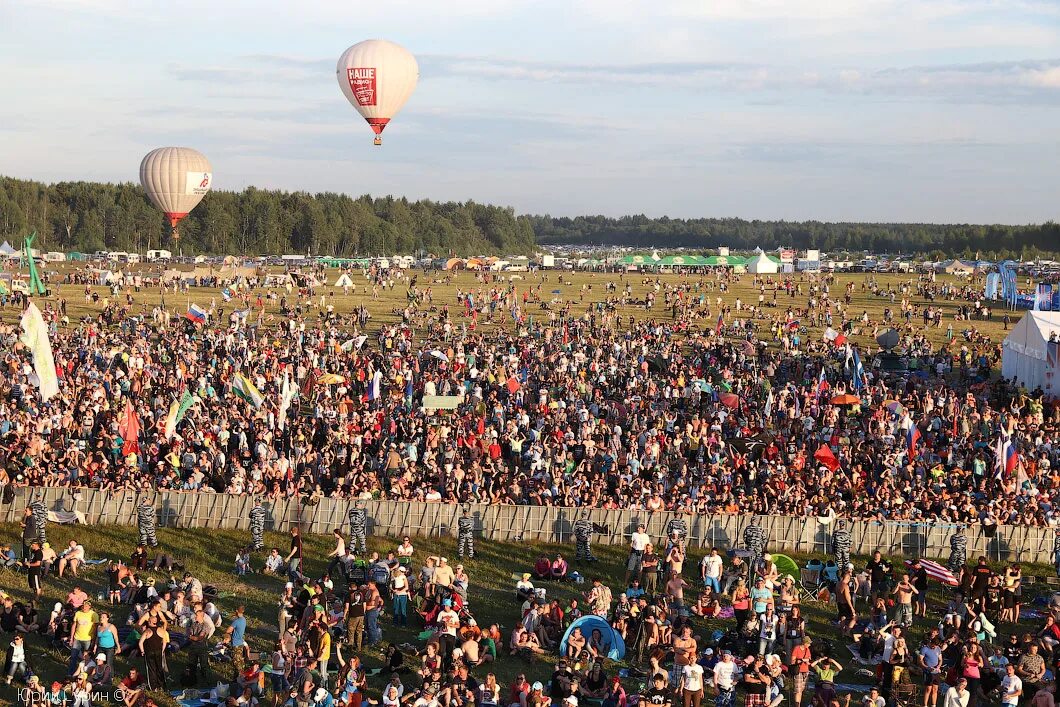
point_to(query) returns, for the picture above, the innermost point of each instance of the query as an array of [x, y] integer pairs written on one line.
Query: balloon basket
[[378, 141]]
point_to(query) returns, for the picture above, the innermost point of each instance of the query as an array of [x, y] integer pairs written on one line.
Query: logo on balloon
[[362, 83], [197, 183]]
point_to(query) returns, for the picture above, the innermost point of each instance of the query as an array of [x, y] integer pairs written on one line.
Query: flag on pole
[[242, 387], [171, 419], [196, 314], [1001, 449], [825, 456], [859, 372], [912, 440], [936, 572], [721, 322], [287, 394], [1012, 459], [822, 384], [226, 294], [129, 430], [35, 338], [178, 410]]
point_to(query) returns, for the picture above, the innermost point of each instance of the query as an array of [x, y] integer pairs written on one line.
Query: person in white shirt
[[710, 570], [692, 684], [637, 543], [72, 557], [957, 696], [1011, 686], [724, 675]]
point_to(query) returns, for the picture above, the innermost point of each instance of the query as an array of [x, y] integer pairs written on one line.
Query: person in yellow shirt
[[82, 633], [324, 655]]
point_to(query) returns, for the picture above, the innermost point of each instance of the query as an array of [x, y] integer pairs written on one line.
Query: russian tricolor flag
[[1012, 459], [822, 383], [196, 314], [913, 439]]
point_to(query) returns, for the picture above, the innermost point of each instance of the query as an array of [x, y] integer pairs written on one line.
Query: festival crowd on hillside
[[561, 404], [506, 396]]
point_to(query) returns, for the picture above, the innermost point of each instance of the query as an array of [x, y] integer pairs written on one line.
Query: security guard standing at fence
[[754, 537], [465, 534], [147, 523], [841, 542], [257, 525], [958, 551], [359, 528], [583, 534]]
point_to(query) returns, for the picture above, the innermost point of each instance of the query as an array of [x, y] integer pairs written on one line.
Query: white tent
[[343, 280], [1029, 357], [6, 249], [762, 264]]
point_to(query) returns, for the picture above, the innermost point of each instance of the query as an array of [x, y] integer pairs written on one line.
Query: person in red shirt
[[133, 687]]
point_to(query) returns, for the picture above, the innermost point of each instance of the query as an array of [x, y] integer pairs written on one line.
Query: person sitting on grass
[[543, 567], [524, 588], [274, 562], [559, 568], [72, 557], [242, 562]]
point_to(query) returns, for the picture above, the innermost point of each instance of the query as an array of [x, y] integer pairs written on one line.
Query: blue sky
[[872, 110]]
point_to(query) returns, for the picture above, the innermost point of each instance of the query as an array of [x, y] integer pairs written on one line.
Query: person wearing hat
[[524, 588], [725, 681], [101, 674]]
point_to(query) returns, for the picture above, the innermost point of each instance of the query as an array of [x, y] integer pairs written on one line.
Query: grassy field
[[209, 555], [583, 290]]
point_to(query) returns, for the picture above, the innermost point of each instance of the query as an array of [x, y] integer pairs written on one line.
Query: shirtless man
[[684, 651], [845, 603], [905, 592], [675, 591]]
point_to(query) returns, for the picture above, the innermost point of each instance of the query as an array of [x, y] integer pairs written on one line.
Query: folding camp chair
[[810, 580]]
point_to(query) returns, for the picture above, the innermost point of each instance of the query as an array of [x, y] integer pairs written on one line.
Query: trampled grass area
[[210, 554], [574, 287]]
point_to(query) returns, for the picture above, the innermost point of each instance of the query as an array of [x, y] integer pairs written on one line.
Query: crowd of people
[[553, 402], [728, 627], [574, 408]]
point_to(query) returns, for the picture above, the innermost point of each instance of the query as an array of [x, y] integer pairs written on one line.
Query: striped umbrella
[[894, 407]]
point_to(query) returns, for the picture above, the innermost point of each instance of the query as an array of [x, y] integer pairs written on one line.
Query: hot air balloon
[[175, 179], [377, 77]]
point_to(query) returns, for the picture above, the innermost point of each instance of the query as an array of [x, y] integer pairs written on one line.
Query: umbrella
[[888, 339], [894, 407], [440, 355], [703, 386], [330, 379], [729, 400], [845, 399]]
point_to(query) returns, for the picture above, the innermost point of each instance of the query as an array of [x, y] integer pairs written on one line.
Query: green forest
[[940, 241], [89, 216]]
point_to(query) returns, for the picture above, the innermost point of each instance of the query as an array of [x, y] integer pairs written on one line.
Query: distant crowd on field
[[504, 394]]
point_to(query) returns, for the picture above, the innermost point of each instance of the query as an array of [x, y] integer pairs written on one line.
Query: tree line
[[938, 240], [90, 216]]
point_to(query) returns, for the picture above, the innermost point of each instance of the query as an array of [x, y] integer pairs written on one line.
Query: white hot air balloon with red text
[[175, 179], [377, 77]]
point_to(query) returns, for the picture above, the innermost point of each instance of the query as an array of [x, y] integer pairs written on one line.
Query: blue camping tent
[[617, 647]]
